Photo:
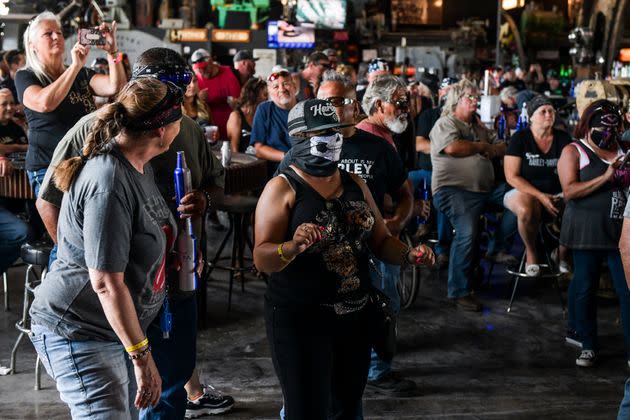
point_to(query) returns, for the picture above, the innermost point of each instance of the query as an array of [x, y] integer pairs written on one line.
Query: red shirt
[[221, 86]]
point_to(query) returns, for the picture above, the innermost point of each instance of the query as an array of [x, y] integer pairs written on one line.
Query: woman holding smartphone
[[530, 166], [55, 95], [595, 187]]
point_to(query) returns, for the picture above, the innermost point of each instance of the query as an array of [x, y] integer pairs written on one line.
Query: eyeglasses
[[338, 101], [401, 105], [472, 98], [277, 75], [326, 66]]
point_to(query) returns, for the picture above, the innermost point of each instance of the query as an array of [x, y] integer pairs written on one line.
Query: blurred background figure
[[239, 125]]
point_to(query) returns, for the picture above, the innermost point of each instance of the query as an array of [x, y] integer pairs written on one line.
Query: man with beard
[[269, 136], [374, 158], [371, 153]]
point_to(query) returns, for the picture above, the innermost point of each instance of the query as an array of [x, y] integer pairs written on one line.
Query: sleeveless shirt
[[333, 271], [594, 221]]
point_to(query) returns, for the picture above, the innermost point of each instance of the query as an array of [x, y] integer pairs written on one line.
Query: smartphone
[[91, 36], [625, 160]]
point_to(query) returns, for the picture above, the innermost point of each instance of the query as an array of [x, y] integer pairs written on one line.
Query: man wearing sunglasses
[[270, 136], [217, 85], [308, 79], [175, 356]]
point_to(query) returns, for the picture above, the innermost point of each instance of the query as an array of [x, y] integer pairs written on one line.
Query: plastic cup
[[210, 133]]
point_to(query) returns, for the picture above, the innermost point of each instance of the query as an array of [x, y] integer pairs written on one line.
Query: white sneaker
[[532, 270], [564, 267], [586, 359]]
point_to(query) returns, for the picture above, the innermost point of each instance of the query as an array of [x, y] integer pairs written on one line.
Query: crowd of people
[[346, 157]]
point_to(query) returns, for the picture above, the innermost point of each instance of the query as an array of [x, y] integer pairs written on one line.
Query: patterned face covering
[[318, 155], [327, 147]]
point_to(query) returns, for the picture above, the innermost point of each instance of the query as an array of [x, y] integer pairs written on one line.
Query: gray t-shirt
[[471, 173], [205, 170], [113, 219]]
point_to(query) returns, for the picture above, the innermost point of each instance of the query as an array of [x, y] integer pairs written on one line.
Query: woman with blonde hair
[[55, 95], [194, 106], [115, 232]]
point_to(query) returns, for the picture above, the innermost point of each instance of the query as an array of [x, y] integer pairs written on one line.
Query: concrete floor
[[491, 365]]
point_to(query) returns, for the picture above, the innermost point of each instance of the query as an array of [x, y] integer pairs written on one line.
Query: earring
[[161, 144]]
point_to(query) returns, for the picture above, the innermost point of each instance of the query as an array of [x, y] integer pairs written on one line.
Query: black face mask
[[317, 155], [605, 139]]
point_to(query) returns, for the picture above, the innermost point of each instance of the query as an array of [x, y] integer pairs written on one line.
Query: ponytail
[[108, 124]]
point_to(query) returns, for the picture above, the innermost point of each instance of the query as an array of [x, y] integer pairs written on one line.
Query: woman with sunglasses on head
[[595, 190], [315, 228], [115, 231], [530, 167], [239, 125], [55, 95]]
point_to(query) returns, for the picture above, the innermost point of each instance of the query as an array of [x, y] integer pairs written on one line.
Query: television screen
[[325, 14], [281, 34]]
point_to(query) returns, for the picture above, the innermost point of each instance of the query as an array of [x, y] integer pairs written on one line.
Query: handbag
[[385, 329]]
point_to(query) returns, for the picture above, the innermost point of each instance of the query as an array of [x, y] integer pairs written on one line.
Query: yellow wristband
[[137, 346], [281, 254]]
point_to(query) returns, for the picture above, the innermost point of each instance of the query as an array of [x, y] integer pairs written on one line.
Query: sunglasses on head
[[338, 101], [277, 75], [472, 97], [177, 78]]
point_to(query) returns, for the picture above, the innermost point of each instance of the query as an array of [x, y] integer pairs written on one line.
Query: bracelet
[[137, 346], [281, 254], [116, 56], [140, 355], [3, 157]]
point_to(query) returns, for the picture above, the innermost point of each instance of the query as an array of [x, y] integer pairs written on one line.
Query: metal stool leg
[[217, 255], [5, 283], [233, 259], [515, 281], [38, 374]]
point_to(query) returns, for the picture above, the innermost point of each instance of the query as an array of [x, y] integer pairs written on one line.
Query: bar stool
[[33, 254], [239, 208], [549, 269]]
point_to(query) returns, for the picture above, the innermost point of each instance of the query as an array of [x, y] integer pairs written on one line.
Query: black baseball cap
[[313, 115], [244, 55]]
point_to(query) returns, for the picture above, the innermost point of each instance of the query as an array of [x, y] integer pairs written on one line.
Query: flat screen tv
[[324, 14], [281, 34]]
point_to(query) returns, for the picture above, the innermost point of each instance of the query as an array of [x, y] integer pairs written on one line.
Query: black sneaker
[[393, 385], [211, 402]]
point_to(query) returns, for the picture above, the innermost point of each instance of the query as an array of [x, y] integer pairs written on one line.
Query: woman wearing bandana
[[594, 187], [316, 226], [115, 231]]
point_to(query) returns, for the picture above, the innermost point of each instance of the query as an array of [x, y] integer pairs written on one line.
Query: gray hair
[[336, 77], [32, 61], [455, 93], [508, 92], [380, 89]]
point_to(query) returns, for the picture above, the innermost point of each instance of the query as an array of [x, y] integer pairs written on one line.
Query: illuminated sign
[[231, 35], [189, 35]]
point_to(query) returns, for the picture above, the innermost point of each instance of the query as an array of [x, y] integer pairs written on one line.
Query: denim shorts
[[95, 378]]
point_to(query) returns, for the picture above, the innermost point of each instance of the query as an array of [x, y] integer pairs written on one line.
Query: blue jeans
[[95, 378], [13, 233], [586, 268], [624, 407], [36, 179], [463, 209], [174, 358], [385, 281], [444, 228]]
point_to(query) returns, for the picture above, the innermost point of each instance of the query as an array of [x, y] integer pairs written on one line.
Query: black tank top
[[246, 133], [594, 221], [333, 271]]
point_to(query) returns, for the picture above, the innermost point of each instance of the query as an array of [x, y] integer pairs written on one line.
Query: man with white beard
[[371, 154], [270, 136]]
